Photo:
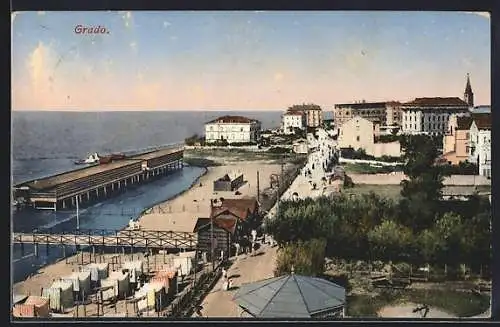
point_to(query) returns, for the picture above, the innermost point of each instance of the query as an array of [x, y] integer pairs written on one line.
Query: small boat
[[91, 159], [117, 156], [105, 160], [110, 158]]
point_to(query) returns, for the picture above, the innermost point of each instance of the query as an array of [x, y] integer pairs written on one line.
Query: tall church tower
[[468, 94]]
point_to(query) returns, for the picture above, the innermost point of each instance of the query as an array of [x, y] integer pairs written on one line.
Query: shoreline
[[205, 171], [136, 217], [56, 269]]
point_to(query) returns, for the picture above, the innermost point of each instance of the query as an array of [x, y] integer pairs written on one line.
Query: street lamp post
[[77, 214], [212, 248]]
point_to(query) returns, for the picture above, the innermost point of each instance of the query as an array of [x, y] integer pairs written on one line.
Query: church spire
[[468, 94]]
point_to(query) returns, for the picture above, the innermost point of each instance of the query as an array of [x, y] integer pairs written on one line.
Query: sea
[[47, 143]]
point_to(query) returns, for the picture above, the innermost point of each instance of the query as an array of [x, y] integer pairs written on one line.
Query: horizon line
[[139, 110]]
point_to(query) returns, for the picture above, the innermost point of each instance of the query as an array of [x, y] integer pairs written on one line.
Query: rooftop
[[463, 123], [238, 207], [51, 181], [481, 109], [290, 296], [232, 120], [294, 113], [437, 102], [365, 105], [483, 120]]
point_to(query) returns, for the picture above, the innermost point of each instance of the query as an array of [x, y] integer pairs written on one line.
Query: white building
[[357, 133], [314, 117], [313, 114], [233, 129], [430, 115], [292, 120], [480, 143]]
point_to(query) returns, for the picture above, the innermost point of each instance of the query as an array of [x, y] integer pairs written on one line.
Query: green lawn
[[461, 304], [389, 191], [363, 168], [244, 155]]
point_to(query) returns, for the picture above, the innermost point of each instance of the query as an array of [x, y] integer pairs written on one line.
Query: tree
[[451, 230], [306, 258], [390, 240], [423, 189], [477, 238], [192, 140], [301, 221], [429, 244]]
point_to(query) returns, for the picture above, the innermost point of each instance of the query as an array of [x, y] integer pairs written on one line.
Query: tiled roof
[[294, 113], [363, 105], [301, 108], [249, 204], [232, 120], [200, 223], [228, 225], [437, 102], [237, 207], [463, 123], [483, 120]]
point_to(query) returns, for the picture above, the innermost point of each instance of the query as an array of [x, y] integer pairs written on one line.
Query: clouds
[[38, 63], [208, 62], [48, 85], [127, 18], [278, 77], [483, 14], [133, 46]]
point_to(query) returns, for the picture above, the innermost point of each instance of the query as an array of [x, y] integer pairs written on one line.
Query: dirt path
[[245, 269]]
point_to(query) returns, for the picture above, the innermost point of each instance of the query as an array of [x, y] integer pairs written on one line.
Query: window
[[241, 129], [357, 138], [467, 135]]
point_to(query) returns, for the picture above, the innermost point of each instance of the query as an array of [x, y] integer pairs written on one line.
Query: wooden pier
[[109, 238], [98, 181]]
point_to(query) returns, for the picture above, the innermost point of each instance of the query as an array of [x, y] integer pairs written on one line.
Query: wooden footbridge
[[111, 238]]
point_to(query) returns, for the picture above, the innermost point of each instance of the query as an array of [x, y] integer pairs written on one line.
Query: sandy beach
[[177, 214], [181, 213]]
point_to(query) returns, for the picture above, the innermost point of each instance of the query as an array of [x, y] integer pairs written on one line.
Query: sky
[[244, 60]]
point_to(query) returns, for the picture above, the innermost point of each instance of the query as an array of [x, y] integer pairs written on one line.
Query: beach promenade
[[248, 269]]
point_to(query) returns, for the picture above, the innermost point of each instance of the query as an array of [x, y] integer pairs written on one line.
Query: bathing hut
[[98, 271], [184, 264], [33, 306], [60, 295], [153, 297], [135, 269], [229, 182], [168, 278], [120, 283], [187, 254], [80, 281]]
